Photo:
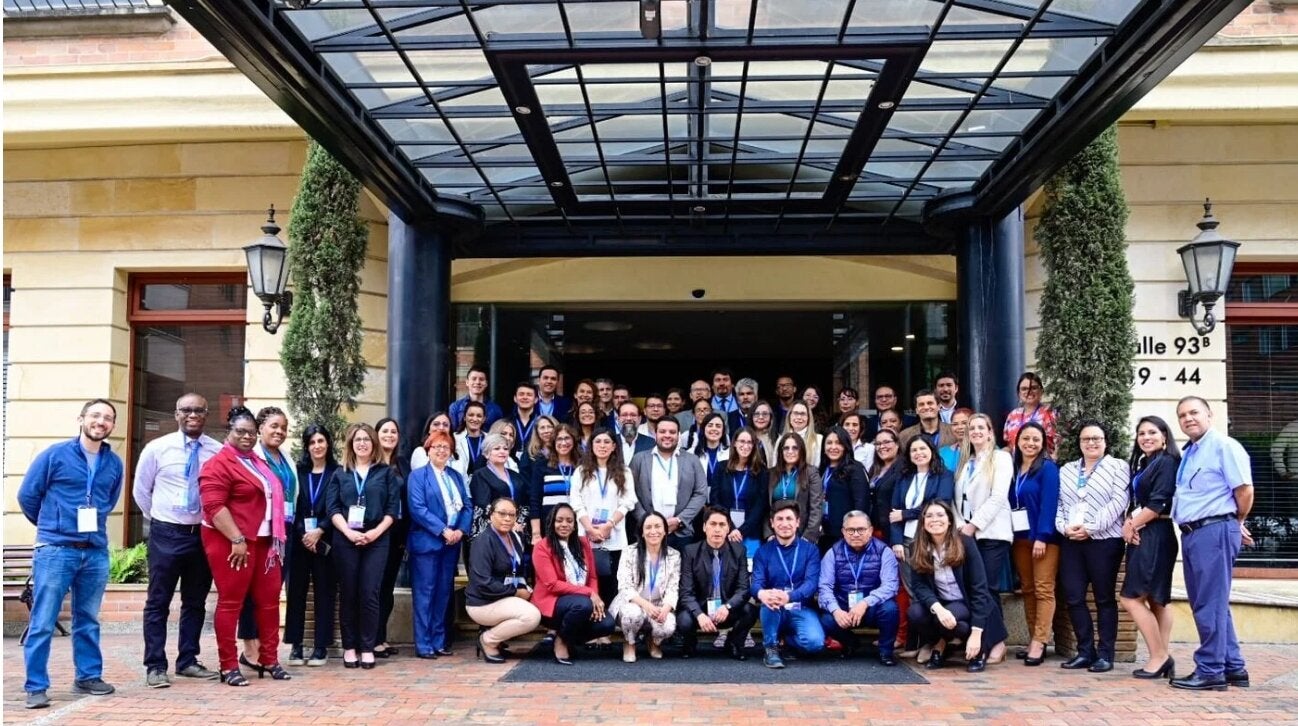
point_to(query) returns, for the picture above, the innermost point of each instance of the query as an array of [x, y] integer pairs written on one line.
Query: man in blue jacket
[[858, 581], [786, 576], [68, 492]]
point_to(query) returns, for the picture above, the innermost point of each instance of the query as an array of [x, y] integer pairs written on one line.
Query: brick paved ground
[[408, 691]]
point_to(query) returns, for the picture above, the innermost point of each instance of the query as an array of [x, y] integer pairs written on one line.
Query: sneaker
[[198, 670], [295, 657], [37, 699], [772, 658], [749, 642], [319, 657], [93, 687], [157, 679]]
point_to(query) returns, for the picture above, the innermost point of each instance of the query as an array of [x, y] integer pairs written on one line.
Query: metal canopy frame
[[837, 125]]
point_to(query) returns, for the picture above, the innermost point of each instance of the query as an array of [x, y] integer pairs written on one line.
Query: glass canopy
[[564, 109]]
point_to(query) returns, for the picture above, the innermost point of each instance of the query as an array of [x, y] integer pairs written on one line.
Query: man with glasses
[[68, 492], [885, 399], [785, 392], [699, 390], [166, 492], [655, 408], [858, 581]]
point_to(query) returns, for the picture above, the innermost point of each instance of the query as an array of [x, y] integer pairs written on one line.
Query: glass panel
[[991, 143], [918, 90], [877, 189], [807, 16], [512, 174], [490, 99], [317, 24], [1052, 54], [416, 152], [455, 25], [1041, 86], [902, 146], [868, 15], [484, 129], [970, 57], [1280, 287], [759, 124], [368, 67], [447, 66], [194, 296], [375, 97], [502, 152], [620, 17], [923, 122], [997, 121], [956, 169], [518, 19], [417, 130], [172, 360], [894, 169], [1106, 11], [461, 176]]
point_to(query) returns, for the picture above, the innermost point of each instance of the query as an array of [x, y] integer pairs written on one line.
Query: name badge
[[602, 516], [515, 582], [1077, 515], [792, 604], [311, 523], [737, 516], [826, 507], [356, 517], [854, 597], [714, 604], [1019, 518], [288, 511], [87, 519]]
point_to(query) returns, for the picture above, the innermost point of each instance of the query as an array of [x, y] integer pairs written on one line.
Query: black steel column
[[989, 284], [419, 325]]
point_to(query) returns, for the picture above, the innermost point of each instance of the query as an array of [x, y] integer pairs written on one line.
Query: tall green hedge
[[321, 354], [1087, 338]]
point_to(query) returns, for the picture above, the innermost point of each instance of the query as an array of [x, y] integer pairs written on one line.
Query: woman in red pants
[[243, 535]]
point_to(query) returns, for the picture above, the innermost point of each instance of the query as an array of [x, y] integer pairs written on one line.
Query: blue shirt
[[725, 405], [1211, 468], [456, 412], [803, 560], [54, 488]]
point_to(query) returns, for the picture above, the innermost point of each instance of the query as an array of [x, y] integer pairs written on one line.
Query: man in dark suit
[[548, 400], [669, 483], [714, 587], [629, 438], [746, 392], [885, 399]]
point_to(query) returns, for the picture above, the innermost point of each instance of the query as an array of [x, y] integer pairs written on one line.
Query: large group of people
[[705, 511]]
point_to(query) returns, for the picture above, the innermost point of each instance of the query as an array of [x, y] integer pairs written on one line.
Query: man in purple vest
[[858, 581]]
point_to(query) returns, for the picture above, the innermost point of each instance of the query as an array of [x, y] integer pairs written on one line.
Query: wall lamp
[[268, 269], [1208, 261]]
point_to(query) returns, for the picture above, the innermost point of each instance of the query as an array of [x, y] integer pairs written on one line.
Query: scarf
[[278, 535]]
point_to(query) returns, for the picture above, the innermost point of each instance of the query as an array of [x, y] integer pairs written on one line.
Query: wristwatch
[[238, 540]]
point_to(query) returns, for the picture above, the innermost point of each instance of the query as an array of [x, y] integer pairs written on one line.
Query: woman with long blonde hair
[[982, 503]]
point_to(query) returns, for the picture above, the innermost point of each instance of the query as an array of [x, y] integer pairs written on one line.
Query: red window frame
[[1262, 313]]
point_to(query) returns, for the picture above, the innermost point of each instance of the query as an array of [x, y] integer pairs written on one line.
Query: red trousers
[[233, 586]]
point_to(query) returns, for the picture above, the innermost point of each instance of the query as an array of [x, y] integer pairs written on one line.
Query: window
[[1262, 387], [187, 335], [4, 382]]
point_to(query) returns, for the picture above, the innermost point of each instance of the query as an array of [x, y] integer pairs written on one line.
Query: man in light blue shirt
[[1214, 493]]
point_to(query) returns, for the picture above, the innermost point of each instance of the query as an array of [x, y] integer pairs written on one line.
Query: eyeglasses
[[506, 515], [192, 411], [245, 433], [362, 440], [855, 530], [789, 448], [439, 447], [885, 442], [761, 414], [1028, 389], [1092, 439]]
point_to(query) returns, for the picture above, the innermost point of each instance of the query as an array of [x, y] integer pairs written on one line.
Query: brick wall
[[1264, 19], [181, 43]]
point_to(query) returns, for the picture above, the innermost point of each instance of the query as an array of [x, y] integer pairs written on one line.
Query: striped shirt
[[1098, 502]]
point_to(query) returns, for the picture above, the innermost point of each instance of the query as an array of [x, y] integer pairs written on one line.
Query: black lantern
[[268, 268], [1208, 262]]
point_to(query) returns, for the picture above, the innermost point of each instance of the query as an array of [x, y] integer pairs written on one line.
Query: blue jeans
[[55, 571], [800, 628], [883, 616]]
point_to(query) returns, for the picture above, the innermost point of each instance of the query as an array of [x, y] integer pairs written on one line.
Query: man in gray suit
[[670, 483]]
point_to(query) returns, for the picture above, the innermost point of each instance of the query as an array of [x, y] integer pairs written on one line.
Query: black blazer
[[1157, 485], [696, 576], [972, 578], [303, 509], [937, 486], [754, 499], [485, 487], [382, 489], [881, 493], [847, 490], [490, 564]]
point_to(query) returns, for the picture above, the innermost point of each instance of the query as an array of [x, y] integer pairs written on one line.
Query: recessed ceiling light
[[886, 105], [847, 177], [910, 336], [556, 184], [700, 208], [897, 349], [522, 110], [703, 61], [649, 345], [582, 349], [607, 326]]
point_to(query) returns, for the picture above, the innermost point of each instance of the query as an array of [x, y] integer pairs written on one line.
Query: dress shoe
[[1167, 670], [1032, 662], [1101, 665], [887, 659], [444, 652], [426, 656], [1021, 653], [1196, 682], [199, 671], [936, 660], [977, 665], [157, 679], [736, 651], [351, 663], [1238, 678], [1077, 663]]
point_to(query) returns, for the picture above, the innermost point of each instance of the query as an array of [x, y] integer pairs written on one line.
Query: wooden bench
[[18, 581]]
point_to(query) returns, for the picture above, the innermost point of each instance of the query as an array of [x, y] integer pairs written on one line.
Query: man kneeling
[[786, 572], [714, 587], [858, 581]]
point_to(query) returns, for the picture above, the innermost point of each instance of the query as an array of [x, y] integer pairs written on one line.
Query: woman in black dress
[[1151, 542]]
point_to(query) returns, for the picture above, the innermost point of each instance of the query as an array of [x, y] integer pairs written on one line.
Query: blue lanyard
[[787, 482], [1135, 482], [969, 468], [743, 420], [525, 431], [515, 558], [602, 478], [824, 479], [1083, 476], [90, 476], [668, 467], [1034, 418], [784, 562], [509, 481], [654, 569], [444, 478], [360, 487], [565, 471], [475, 445], [738, 489], [856, 571], [313, 488], [712, 462], [1018, 489]]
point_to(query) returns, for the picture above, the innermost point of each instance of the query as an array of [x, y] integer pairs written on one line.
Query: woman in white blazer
[[982, 502]]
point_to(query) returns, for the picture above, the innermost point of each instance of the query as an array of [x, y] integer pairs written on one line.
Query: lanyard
[[712, 462], [856, 571], [360, 486], [475, 445], [601, 476], [90, 476], [509, 481], [565, 471], [1084, 476], [1018, 488], [787, 481], [654, 569], [668, 467], [313, 487], [515, 558], [787, 570], [444, 478], [525, 431], [969, 468], [824, 479], [917, 486], [738, 489], [1035, 417], [1135, 483]]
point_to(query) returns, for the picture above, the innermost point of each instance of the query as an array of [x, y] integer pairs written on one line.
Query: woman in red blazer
[[567, 586], [243, 535]]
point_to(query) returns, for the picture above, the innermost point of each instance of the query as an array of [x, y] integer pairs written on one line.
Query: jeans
[[175, 557], [800, 628], [55, 571], [883, 616]]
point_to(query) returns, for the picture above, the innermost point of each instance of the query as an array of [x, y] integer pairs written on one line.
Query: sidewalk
[[404, 690]]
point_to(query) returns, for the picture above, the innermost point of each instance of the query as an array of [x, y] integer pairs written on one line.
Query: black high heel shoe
[[1167, 670], [483, 654], [278, 673], [937, 660], [233, 678], [260, 669]]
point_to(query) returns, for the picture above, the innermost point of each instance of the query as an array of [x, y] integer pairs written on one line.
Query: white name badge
[[288, 511], [311, 523], [1077, 515], [737, 516], [601, 516], [1019, 518], [792, 604], [714, 604], [910, 528], [356, 516], [515, 582], [87, 519], [854, 597]]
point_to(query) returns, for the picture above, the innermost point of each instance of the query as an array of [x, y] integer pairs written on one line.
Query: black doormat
[[708, 666]]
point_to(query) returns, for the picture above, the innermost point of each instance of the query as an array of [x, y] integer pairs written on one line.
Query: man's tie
[[192, 501]]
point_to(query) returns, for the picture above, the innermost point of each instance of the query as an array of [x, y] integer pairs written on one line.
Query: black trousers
[[396, 537], [1092, 563], [175, 556], [740, 621], [360, 572], [305, 569], [571, 619], [608, 583], [930, 630]]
